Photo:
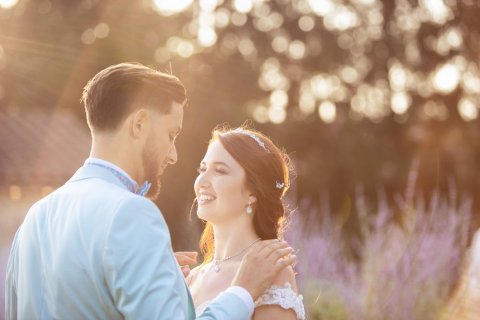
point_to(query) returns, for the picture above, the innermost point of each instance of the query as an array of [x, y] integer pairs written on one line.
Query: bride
[[242, 180]]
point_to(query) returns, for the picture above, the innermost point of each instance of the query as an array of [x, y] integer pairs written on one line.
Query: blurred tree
[[354, 89]]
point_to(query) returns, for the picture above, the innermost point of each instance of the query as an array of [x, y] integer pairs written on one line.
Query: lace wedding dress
[[283, 296]]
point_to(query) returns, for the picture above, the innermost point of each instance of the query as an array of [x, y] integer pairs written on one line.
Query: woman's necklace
[[218, 261]]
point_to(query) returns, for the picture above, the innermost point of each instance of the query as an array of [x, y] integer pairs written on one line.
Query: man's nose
[[172, 156]]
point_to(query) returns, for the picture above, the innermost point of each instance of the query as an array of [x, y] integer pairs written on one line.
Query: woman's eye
[[217, 170]]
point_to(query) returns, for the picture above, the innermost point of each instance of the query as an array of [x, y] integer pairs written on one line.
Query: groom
[[96, 248]]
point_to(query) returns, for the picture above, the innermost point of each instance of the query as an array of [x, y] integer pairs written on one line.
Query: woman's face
[[220, 186]]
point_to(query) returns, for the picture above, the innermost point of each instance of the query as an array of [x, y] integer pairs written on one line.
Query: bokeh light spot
[[327, 111], [6, 4], [101, 31], [88, 36], [297, 50], [277, 115], [279, 98], [446, 78], [238, 19], [207, 36], [306, 23], [467, 109], [280, 44], [400, 102], [170, 7], [321, 7], [243, 6], [260, 114]]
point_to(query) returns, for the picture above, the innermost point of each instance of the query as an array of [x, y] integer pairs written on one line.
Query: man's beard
[[150, 167]]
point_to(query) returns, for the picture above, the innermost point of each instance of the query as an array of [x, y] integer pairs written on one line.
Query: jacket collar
[[96, 172]]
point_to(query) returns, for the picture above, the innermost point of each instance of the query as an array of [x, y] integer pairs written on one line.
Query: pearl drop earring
[[249, 209]]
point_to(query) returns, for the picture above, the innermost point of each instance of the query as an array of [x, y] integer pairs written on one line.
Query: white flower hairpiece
[[253, 136], [279, 185]]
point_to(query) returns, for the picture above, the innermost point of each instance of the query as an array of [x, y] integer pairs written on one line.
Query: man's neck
[[116, 153]]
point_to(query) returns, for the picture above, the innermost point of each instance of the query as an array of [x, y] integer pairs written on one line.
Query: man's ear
[[139, 123]]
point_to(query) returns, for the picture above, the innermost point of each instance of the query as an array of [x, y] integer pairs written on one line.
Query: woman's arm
[[275, 311]]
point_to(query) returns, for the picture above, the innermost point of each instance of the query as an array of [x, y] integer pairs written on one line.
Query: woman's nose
[[203, 180]]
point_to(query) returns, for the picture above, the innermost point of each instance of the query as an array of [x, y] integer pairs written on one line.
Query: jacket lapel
[[191, 306]]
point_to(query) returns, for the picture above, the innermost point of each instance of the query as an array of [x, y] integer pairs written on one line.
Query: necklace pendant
[[216, 263]]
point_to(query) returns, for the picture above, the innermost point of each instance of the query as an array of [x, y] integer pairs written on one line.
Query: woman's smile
[[204, 199]]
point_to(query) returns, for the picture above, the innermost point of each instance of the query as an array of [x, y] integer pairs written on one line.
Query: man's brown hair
[[113, 93]]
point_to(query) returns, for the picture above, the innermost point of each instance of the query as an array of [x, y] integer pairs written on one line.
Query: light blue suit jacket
[[94, 250]]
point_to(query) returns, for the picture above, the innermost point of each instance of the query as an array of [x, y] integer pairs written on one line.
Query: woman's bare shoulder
[[286, 275]]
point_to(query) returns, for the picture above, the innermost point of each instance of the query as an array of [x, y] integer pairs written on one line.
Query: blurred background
[[376, 102]]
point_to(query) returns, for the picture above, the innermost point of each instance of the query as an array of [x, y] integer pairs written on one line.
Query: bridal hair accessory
[[279, 185], [217, 262], [251, 135]]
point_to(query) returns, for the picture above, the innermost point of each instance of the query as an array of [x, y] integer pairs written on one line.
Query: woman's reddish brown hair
[[265, 166]]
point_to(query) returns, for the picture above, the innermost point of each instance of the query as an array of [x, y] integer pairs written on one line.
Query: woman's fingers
[[264, 260], [266, 247]]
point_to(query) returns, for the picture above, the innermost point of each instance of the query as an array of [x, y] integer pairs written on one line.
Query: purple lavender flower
[[401, 266]]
